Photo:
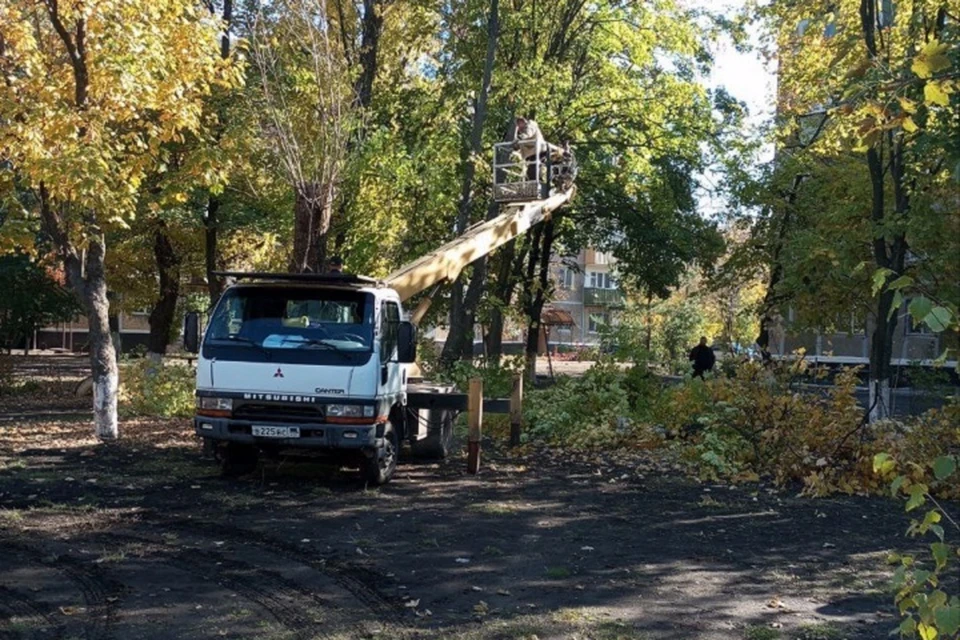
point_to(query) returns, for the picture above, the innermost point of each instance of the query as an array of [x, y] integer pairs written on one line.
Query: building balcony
[[603, 297]]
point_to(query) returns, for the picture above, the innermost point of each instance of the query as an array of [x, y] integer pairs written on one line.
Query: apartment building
[[586, 289]]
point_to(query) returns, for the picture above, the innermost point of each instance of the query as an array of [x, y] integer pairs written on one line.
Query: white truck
[[323, 365]]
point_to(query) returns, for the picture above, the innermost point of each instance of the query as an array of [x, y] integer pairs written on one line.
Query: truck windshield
[[274, 318]]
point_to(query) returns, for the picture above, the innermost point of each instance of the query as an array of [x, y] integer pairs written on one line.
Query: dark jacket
[[702, 357]]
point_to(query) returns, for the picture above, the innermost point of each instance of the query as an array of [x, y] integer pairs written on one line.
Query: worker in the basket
[[529, 142], [336, 266]]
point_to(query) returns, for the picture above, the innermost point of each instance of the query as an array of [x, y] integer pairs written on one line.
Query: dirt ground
[[142, 539]]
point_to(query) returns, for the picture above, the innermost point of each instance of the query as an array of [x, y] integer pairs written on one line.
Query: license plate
[[275, 432]]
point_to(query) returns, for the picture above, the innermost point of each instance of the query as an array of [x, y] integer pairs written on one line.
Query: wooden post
[[474, 423], [516, 410]]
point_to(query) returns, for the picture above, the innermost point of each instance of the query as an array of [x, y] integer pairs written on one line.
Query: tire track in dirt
[[14, 604], [283, 599], [101, 595], [357, 580]]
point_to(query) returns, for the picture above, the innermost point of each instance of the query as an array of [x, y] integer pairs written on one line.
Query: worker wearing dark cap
[[336, 265]]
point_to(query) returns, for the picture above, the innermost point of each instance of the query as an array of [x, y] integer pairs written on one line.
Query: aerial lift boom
[[446, 263]]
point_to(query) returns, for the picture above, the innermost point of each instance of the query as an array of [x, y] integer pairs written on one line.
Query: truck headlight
[[349, 411], [210, 406]]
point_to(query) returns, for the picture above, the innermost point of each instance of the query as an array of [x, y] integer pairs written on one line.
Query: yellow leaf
[[934, 93], [908, 105], [909, 125], [927, 632], [931, 59]]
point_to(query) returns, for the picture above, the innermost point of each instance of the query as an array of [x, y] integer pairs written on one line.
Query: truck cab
[[315, 364]]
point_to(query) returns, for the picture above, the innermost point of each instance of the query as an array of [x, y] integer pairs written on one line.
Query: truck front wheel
[[379, 468], [237, 459]]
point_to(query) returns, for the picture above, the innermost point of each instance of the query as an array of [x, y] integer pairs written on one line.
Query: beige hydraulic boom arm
[[446, 263]]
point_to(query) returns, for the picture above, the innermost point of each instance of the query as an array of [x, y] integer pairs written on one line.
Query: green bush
[[590, 411], [161, 390]]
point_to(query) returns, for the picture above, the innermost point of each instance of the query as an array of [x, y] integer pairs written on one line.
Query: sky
[[745, 76]]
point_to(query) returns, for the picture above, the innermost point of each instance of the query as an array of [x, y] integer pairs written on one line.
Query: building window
[[597, 320], [601, 280], [566, 278], [143, 311]]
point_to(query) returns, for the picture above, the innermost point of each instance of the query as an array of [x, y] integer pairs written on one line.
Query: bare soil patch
[[143, 539]]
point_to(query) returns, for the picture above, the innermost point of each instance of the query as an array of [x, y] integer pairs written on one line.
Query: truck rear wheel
[[379, 469], [439, 441], [237, 460]]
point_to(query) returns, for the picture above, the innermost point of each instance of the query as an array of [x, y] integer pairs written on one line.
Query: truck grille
[[278, 413]]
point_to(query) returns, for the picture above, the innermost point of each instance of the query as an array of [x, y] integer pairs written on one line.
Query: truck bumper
[[312, 436]]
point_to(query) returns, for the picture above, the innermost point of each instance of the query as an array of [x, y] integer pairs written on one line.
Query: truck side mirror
[[407, 343], [191, 332]]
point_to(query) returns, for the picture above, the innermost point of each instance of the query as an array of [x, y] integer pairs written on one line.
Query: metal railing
[[518, 179]]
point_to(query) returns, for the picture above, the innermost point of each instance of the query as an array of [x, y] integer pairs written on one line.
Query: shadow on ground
[[143, 539]]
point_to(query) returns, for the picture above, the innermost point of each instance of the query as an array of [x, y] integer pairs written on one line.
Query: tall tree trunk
[[103, 356], [890, 256], [211, 248], [649, 338], [313, 206], [540, 265], [890, 245], [502, 295], [211, 220], [461, 315], [91, 289], [772, 299], [164, 310], [371, 29]]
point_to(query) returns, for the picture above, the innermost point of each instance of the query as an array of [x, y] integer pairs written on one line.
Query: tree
[[304, 101], [91, 94], [31, 299], [875, 83], [463, 306]]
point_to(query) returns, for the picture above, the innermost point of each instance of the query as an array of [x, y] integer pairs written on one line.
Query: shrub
[[760, 423], [927, 608], [586, 412], [152, 389]]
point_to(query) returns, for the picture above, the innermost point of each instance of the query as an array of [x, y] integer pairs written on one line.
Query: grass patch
[[558, 573], [492, 551], [710, 502], [761, 633], [11, 515], [818, 632]]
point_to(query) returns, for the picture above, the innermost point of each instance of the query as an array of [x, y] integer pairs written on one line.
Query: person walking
[[336, 266], [703, 358]]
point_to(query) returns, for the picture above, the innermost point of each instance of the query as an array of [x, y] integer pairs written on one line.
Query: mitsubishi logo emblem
[[278, 374]]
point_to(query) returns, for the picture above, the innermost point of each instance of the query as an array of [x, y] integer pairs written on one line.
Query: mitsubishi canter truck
[[319, 365]]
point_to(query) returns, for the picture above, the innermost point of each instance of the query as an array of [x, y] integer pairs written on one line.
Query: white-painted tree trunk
[[880, 400], [105, 406]]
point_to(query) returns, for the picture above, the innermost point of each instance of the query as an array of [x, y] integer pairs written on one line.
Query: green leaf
[[948, 619], [896, 484], [944, 467], [883, 462], [920, 308], [901, 282], [917, 496], [879, 278], [940, 553], [896, 304], [908, 627], [937, 531], [939, 319]]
